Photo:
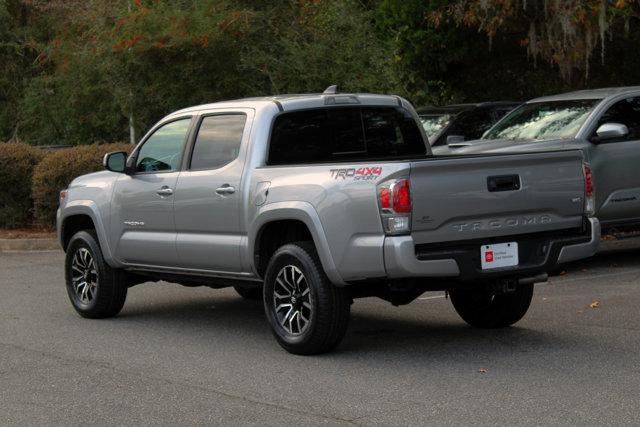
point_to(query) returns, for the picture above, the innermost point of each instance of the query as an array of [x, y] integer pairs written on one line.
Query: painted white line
[[436, 297], [594, 276]]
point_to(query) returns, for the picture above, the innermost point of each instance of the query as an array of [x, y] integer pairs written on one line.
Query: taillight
[[385, 198], [401, 196], [394, 200], [589, 190]]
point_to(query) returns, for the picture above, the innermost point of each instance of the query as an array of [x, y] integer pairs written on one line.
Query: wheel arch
[[80, 215], [290, 221]]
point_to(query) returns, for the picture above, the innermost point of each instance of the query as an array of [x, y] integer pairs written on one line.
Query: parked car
[[461, 122], [603, 123], [310, 201]]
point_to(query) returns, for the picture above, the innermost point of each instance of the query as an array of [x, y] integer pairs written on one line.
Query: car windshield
[[434, 123], [543, 121]]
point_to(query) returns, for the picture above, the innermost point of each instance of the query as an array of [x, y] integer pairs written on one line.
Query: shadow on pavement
[[615, 254], [235, 320], [407, 331]]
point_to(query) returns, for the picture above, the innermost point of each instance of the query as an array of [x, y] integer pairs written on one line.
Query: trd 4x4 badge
[[360, 174]]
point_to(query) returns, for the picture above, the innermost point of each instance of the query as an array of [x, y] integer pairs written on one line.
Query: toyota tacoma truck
[[308, 202], [603, 123]]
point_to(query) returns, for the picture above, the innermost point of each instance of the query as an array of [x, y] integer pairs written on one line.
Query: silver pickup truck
[[310, 201]]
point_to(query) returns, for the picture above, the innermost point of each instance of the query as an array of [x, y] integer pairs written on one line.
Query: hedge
[[56, 171], [16, 167]]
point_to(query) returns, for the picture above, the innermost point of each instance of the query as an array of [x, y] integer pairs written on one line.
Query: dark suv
[[461, 122]]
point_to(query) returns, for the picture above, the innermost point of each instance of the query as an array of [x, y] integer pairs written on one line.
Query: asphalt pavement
[[180, 355]]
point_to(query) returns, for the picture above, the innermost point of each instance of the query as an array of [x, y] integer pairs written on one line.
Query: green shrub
[[56, 171], [17, 162]]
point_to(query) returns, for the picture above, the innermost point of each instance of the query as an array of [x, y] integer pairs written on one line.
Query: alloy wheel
[[84, 276], [292, 300]]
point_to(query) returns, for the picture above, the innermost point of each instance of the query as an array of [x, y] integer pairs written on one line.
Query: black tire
[[484, 308], [110, 290], [253, 293], [330, 306]]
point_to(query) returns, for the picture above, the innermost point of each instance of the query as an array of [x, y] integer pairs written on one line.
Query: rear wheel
[[306, 312], [487, 308], [95, 289]]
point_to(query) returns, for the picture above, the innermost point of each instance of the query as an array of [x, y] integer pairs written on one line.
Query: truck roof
[[600, 93], [299, 101]]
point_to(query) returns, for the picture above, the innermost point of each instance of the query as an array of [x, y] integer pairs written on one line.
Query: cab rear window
[[349, 134]]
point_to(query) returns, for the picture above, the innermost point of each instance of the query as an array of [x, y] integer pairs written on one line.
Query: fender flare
[[90, 209], [300, 211]]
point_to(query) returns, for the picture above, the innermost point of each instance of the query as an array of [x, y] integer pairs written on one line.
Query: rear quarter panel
[[345, 201]]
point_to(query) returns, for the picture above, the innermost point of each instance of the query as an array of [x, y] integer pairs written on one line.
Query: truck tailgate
[[467, 198]]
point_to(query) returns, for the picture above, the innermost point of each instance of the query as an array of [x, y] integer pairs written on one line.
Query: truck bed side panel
[[344, 197]]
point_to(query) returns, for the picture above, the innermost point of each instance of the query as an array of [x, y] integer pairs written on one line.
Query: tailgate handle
[[503, 183]]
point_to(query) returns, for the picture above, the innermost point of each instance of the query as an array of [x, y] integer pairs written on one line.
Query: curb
[[619, 245], [10, 245]]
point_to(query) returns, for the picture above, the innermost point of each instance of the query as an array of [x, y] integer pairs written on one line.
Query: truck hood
[[95, 179], [479, 146]]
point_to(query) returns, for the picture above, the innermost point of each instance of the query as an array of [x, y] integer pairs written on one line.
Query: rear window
[[347, 134]]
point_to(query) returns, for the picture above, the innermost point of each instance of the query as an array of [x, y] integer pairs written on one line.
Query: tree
[[308, 45], [118, 65], [111, 69], [563, 33], [16, 62]]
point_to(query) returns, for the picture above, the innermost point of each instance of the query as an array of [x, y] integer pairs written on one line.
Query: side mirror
[[454, 139], [611, 131], [115, 161]]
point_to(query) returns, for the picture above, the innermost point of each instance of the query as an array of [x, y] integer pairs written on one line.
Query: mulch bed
[[28, 233]]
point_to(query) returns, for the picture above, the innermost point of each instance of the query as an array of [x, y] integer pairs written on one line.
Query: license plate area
[[499, 255]]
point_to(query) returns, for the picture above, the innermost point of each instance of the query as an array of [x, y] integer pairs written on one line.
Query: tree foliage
[[564, 33], [310, 45], [86, 71]]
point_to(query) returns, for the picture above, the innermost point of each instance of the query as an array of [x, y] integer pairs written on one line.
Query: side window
[[500, 112], [162, 151], [218, 141], [626, 112], [471, 124]]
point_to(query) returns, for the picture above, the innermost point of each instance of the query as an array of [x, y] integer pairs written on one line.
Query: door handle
[[503, 183], [165, 191], [225, 189]]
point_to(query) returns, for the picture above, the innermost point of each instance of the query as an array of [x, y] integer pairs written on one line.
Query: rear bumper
[[538, 253]]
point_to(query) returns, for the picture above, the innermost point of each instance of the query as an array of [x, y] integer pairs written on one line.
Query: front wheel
[[95, 289], [486, 308], [306, 312]]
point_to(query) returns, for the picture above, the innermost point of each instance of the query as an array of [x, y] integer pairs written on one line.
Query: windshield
[[543, 121], [434, 123]]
